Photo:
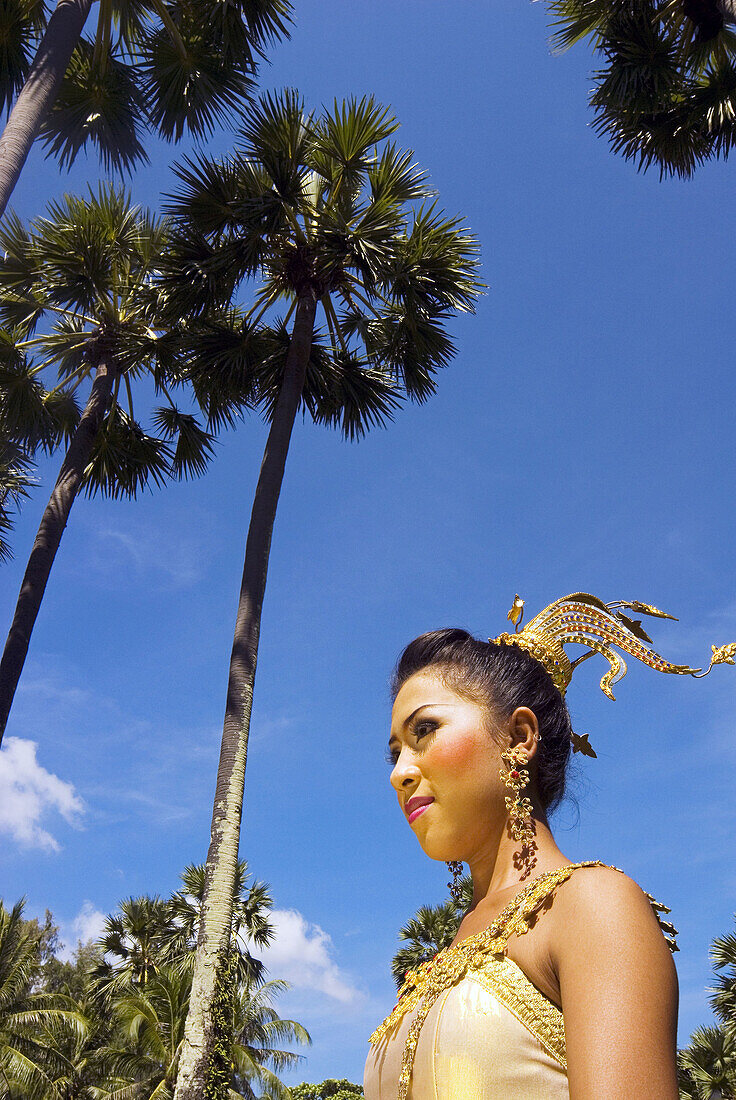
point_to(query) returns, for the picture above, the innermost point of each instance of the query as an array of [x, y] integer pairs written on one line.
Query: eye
[[392, 757], [424, 727]]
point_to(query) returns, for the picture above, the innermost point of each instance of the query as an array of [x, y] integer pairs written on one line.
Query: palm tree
[[149, 1020], [707, 1067], [431, 930], [15, 482], [28, 1020], [256, 1028], [666, 91], [168, 66], [723, 1000], [147, 934], [143, 1056], [131, 949], [251, 925], [75, 292], [321, 214]]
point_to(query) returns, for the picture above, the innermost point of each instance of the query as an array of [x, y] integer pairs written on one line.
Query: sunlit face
[[446, 769]]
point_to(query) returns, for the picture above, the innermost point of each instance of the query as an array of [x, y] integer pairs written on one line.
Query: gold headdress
[[584, 620]]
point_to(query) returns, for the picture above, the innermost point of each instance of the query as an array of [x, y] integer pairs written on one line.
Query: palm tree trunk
[[39, 92], [222, 858], [50, 530]]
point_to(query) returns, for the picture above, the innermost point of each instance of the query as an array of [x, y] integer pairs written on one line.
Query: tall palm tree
[[75, 293], [29, 1064], [321, 214], [168, 66], [665, 94]]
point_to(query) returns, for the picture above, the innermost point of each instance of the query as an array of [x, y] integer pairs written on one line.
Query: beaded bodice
[[481, 957]]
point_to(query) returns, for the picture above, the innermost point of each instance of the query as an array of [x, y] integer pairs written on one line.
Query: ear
[[524, 730]]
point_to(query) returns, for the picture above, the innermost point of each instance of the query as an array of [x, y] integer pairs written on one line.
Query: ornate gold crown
[[584, 620]]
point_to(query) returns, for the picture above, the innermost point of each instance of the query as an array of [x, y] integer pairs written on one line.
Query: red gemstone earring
[[516, 777]]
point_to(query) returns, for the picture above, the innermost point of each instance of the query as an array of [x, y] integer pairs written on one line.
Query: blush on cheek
[[456, 753]]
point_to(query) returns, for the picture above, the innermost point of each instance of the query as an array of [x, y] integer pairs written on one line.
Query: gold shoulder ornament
[[582, 619], [423, 985]]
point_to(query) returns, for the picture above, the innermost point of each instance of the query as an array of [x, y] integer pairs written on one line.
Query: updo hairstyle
[[502, 677]]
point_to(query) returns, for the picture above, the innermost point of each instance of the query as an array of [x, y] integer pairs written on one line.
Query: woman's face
[[446, 770]]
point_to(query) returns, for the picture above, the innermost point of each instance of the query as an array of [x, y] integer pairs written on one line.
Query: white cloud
[[301, 953], [28, 792], [87, 925]]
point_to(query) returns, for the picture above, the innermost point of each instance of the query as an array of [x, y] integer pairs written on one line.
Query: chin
[[439, 848]]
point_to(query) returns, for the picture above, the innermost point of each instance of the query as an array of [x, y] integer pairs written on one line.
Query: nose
[[405, 775]]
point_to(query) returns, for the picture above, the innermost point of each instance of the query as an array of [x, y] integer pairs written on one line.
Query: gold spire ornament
[[582, 619]]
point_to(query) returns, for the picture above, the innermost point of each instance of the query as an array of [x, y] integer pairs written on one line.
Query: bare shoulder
[[618, 988], [602, 909]]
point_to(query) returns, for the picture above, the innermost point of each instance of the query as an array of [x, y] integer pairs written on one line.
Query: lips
[[416, 806]]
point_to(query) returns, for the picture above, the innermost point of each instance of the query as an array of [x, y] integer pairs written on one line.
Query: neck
[[508, 866]]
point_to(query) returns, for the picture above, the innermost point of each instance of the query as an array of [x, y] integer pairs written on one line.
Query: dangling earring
[[516, 779], [455, 867]]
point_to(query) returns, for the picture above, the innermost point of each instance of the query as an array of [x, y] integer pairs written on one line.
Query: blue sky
[[582, 439]]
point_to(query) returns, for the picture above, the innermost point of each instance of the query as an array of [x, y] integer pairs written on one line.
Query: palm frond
[[194, 446], [101, 103], [16, 480], [26, 417], [125, 459], [348, 394], [195, 92], [574, 20], [21, 24]]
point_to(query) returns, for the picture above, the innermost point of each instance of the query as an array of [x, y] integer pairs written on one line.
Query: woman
[[559, 982]]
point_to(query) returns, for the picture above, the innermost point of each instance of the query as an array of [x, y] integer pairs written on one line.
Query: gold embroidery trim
[[424, 985], [510, 985]]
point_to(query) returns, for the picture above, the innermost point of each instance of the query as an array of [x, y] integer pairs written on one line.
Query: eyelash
[[392, 756]]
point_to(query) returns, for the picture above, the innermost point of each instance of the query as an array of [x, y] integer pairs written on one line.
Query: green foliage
[[75, 289], [327, 1090], [665, 93], [707, 1066], [32, 1023], [165, 66], [322, 206], [433, 928], [219, 1073], [110, 1022]]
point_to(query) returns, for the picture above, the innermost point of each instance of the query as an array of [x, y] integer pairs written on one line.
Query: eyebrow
[[406, 721]]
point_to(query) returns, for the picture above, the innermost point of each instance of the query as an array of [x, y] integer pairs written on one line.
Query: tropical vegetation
[[330, 1089], [109, 1023], [665, 91], [324, 216], [167, 66], [76, 298], [707, 1065]]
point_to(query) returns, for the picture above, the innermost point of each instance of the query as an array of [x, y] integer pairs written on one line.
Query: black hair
[[503, 677]]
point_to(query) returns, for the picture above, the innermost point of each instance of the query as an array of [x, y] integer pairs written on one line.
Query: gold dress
[[469, 1025]]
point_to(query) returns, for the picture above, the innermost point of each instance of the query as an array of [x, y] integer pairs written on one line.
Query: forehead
[[420, 690]]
